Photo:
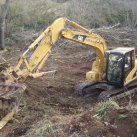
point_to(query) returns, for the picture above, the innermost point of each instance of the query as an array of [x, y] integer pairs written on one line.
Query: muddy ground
[[49, 106]]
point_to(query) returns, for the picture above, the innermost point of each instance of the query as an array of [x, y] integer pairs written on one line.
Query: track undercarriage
[[103, 91]]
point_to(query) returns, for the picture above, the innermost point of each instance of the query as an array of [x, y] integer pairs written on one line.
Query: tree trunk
[[2, 26], [4, 11]]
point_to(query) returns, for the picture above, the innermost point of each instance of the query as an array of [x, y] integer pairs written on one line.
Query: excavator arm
[[42, 46], [41, 49]]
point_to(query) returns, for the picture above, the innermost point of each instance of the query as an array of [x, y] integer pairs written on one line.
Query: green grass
[[104, 107], [45, 129]]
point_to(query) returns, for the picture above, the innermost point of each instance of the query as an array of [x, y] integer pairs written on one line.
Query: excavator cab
[[120, 62]]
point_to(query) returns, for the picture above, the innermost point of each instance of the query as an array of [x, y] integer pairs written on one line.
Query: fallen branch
[[107, 28], [5, 61]]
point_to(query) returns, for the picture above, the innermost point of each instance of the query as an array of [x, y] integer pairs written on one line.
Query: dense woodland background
[[26, 18]]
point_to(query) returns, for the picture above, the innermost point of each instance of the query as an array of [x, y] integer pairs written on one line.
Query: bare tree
[[4, 10]]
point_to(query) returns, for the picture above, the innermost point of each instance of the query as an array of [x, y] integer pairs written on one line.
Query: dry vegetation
[[95, 13], [36, 15]]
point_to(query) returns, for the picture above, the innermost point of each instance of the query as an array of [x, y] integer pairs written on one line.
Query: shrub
[[104, 107]]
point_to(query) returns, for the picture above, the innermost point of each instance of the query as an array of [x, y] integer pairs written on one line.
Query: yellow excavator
[[111, 72]]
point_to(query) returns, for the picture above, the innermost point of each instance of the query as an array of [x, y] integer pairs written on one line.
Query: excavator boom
[[42, 46]]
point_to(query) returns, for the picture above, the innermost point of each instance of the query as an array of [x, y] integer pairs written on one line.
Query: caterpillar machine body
[[111, 72]]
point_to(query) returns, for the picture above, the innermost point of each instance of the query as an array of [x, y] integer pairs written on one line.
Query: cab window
[[114, 73], [129, 62]]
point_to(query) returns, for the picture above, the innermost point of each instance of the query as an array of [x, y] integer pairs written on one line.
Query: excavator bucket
[[10, 96]]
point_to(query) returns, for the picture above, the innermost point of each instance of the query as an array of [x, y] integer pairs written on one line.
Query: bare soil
[[51, 98]]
